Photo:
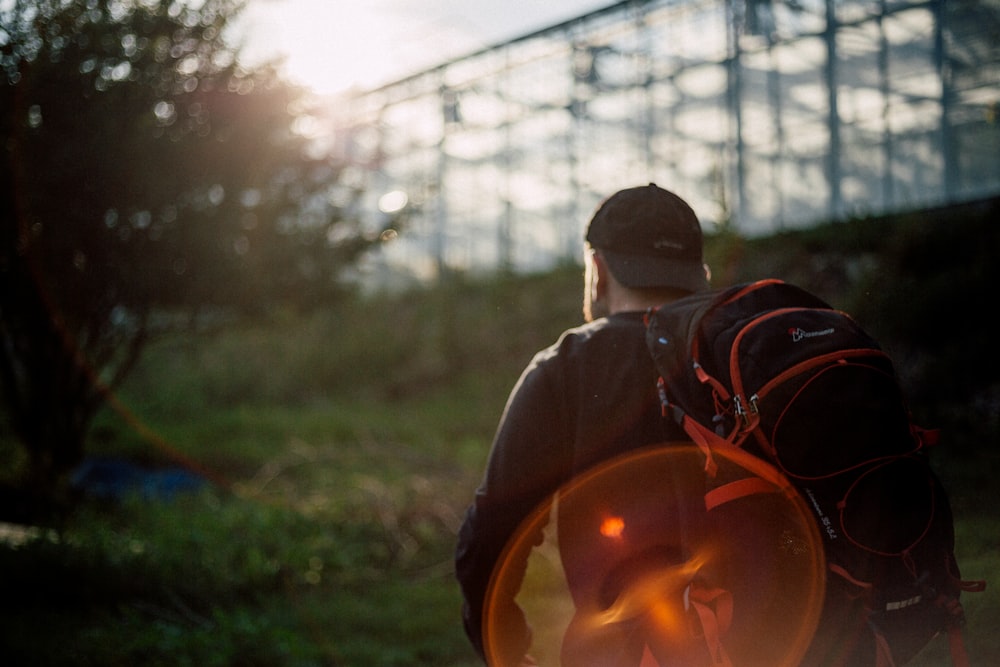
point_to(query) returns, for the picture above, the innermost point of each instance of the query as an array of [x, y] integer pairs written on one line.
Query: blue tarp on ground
[[117, 479]]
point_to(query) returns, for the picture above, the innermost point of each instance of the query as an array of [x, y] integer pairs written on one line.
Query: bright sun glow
[[327, 46], [333, 45]]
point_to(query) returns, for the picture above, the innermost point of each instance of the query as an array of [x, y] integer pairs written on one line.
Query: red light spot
[[613, 526]]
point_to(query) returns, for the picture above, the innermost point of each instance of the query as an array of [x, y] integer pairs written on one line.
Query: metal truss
[[764, 114]]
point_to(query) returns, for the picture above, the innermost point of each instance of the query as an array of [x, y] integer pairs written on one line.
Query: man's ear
[[599, 285]]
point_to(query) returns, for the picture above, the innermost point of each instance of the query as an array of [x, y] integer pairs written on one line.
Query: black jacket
[[588, 398]]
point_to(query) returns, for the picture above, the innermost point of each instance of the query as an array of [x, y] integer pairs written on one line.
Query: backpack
[[774, 370]]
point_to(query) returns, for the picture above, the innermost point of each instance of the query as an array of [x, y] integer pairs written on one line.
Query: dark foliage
[[144, 171]]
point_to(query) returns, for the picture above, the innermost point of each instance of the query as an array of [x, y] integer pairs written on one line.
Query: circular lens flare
[[625, 566]]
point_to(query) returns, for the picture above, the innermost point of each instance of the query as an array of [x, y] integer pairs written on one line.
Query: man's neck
[[624, 300], [632, 306]]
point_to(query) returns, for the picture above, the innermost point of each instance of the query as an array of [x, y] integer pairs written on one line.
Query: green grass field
[[344, 448]]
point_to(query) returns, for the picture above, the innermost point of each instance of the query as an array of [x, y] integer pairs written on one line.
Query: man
[[592, 395]]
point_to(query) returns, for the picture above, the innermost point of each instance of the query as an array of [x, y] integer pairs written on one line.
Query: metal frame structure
[[764, 114]]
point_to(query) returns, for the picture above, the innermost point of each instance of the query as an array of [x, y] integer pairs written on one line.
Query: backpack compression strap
[[714, 607], [713, 613], [747, 486], [706, 439]]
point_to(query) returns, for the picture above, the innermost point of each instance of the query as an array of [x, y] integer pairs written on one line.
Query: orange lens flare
[[662, 593], [626, 566]]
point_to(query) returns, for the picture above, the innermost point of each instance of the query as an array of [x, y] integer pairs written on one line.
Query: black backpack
[[776, 371]]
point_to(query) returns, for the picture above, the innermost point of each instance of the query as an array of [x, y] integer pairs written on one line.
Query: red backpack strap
[[959, 656], [714, 607], [883, 654], [956, 638], [927, 437], [747, 486], [713, 610], [972, 585], [707, 440]]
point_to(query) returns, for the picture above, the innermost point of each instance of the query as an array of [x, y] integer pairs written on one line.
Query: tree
[[144, 171]]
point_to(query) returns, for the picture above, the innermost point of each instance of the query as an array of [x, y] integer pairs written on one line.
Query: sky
[[334, 45]]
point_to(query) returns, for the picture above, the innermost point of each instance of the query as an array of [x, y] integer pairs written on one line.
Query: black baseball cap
[[649, 237]]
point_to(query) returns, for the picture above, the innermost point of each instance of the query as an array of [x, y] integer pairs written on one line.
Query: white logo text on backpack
[[825, 522], [902, 604], [798, 333]]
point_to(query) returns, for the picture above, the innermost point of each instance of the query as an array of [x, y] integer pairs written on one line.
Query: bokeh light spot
[[613, 527]]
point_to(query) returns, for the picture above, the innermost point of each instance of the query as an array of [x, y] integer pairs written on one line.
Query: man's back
[[591, 396]]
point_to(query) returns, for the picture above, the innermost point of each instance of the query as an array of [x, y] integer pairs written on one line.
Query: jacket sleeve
[[529, 459]]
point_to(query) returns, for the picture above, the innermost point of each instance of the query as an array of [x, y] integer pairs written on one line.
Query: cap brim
[[645, 271]]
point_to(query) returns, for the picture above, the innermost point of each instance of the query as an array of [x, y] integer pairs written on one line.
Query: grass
[[345, 447], [321, 552], [208, 580], [978, 552]]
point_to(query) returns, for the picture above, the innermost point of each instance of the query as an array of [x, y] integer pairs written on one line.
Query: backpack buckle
[[747, 415]]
